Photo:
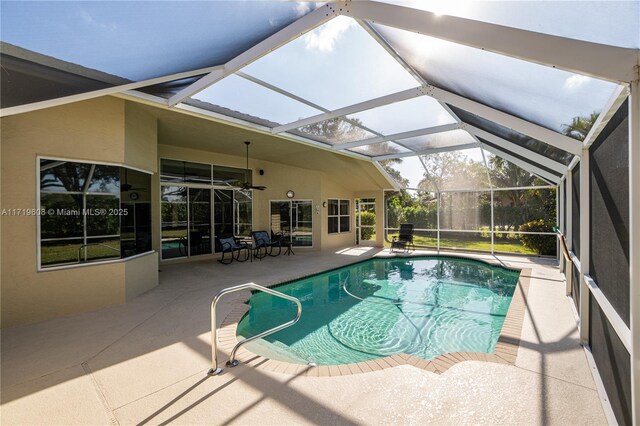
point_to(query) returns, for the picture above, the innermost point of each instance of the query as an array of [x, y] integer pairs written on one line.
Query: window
[[90, 212], [339, 216], [293, 219], [199, 202], [176, 171]]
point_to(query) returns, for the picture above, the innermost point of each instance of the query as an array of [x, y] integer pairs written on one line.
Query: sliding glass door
[[195, 209], [294, 220]]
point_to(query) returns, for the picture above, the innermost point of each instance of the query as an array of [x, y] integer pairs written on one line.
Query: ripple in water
[[420, 306]]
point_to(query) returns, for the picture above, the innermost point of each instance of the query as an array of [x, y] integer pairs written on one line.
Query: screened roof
[[384, 81]]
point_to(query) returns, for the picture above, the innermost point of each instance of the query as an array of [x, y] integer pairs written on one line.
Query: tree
[[387, 165], [580, 126], [340, 130], [505, 174], [449, 170]]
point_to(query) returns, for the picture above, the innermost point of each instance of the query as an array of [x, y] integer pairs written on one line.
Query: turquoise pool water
[[423, 306]]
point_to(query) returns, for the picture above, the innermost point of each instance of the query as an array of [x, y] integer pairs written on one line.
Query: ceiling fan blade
[[259, 188]]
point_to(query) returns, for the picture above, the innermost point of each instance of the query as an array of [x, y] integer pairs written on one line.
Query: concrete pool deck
[[145, 362]]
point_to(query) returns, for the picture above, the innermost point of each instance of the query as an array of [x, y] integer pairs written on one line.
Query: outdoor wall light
[[324, 204], [290, 194]]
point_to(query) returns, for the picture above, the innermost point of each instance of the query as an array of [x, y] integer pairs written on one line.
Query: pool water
[[422, 306]]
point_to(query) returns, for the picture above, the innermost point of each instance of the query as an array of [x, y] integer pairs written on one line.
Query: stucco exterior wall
[[85, 131], [115, 131]]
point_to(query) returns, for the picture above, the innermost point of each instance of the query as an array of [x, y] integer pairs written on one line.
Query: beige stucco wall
[[85, 131], [116, 131]]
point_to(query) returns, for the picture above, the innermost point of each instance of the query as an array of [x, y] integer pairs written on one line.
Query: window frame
[[339, 216], [210, 186], [291, 201], [39, 267]]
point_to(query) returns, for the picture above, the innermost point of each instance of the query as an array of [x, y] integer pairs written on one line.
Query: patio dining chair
[[404, 240], [230, 245], [262, 241]]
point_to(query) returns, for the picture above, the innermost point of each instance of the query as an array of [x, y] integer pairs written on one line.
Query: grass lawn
[[68, 253], [470, 242]]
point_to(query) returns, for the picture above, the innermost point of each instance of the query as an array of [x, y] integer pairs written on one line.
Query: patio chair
[[262, 240], [404, 240], [233, 247]]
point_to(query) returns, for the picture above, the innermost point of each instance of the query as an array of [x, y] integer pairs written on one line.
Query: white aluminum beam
[[352, 109], [212, 116], [634, 244], [392, 181], [596, 60], [271, 43], [522, 164], [34, 106], [281, 91], [535, 131], [425, 152], [298, 98], [617, 98], [517, 149], [398, 136]]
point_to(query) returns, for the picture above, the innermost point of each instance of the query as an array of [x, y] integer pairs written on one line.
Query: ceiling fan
[[247, 185]]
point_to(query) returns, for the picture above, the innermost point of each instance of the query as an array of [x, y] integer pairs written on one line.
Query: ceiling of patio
[[376, 80], [196, 133]]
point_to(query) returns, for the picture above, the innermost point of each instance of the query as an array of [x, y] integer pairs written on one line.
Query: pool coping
[[505, 352]]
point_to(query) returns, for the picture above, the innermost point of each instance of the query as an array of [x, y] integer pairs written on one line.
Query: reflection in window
[[174, 221], [339, 216], [135, 225], [243, 207], [176, 171], [85, 218], [294, 221]]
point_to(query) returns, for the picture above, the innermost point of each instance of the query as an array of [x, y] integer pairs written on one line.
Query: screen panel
[[543, 95], [609, 202], [613, 362]]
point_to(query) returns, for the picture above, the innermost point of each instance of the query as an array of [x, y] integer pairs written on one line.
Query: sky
[[335, 65]]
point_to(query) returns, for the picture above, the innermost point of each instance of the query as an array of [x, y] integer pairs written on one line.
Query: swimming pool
[[421, 306]]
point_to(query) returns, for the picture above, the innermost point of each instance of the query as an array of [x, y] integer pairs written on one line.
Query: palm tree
[[580, 126]]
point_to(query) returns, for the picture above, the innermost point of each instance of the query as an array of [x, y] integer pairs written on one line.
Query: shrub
[[541, 244], [367, 218]]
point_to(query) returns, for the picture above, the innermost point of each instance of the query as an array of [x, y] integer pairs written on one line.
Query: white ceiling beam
[[281, 91], [398, 136], [271, 43], [596, 60], [517, 149], [425, 151], [34, 106], [522, 126], [617, 98], [193, 111], [298, 98], [352, 109], [549, 177]]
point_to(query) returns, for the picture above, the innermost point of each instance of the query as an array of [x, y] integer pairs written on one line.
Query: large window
[[339, 216], [92, 212], [200, 202], [293, 219]]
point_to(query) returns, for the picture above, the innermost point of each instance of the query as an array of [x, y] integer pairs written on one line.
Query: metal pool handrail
[[215, 370]]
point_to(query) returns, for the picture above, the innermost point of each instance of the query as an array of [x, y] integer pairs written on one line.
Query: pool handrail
[[215, 370]]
